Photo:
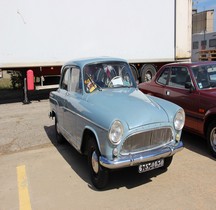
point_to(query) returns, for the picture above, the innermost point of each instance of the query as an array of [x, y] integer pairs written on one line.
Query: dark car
[[193, 87]]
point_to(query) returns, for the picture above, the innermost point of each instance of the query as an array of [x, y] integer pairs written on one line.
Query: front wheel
[[99, 175], [211, 138]]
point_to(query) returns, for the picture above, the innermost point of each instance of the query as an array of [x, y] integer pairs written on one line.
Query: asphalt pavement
[[37, 173]]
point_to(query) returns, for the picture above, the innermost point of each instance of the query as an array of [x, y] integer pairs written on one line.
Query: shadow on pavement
[[129, 177], [14, 96], [196, 144]]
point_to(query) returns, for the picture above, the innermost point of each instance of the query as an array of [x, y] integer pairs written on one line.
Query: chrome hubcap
[[148, 76], [95, 163], [213, 139]]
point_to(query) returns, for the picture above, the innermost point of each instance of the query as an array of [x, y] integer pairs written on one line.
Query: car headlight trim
[[116, 132], [179, 120]]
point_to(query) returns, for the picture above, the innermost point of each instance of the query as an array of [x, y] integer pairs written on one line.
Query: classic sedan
[[193, 87], [100, 111]]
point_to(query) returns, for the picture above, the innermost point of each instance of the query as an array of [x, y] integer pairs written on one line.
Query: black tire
[[211, 138], [59, 137], [167, 162], [134, 72], [99, 175], [147, 72]]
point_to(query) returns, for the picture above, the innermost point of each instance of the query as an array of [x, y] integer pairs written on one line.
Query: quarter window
[[163, 77], [64, 83], [76, 83]]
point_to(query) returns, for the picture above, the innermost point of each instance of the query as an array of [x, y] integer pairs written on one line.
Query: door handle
[[167, 92]]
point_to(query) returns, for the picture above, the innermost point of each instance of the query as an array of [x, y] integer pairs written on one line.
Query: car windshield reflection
[[107, 75], [205, 76]]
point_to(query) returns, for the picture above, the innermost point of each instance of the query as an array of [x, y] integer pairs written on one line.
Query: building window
[[203, 44], [195, 45], [212, 42]]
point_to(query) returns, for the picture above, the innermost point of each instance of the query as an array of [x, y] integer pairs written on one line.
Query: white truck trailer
[[43, 34]]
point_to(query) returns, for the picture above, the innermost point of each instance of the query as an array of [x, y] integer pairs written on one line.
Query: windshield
[[107, 75], [205, 76]]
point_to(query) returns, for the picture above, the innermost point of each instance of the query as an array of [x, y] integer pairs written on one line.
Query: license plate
[[150, 165]]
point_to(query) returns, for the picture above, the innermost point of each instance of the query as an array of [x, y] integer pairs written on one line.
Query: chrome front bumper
[[138, 158]]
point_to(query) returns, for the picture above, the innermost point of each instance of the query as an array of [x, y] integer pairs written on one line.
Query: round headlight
[[116, 132], [179, 120]]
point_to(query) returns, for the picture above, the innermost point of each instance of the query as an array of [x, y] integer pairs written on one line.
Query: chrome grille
[[146, 140]]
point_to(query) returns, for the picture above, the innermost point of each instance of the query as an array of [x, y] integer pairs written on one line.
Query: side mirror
[[188, 85]]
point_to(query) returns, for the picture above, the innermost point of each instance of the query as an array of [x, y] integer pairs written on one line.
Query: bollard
[[25, 101]]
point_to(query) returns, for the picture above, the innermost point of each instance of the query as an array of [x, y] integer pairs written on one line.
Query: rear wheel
[[211, 138], [99, 175]]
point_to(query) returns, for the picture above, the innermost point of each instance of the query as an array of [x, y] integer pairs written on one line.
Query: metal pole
[[26, 101]]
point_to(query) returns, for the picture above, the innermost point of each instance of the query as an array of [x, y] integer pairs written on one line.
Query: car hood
[[129, 105]]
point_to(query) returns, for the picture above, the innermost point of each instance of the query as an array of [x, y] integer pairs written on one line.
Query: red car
[[193, 87]]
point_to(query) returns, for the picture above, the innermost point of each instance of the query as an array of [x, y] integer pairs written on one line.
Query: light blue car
[[100, 111]]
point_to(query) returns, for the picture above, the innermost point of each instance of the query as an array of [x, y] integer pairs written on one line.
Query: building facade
[[203, 22]]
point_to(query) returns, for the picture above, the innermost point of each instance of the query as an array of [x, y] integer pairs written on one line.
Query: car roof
[[82, 62], [192, 64]]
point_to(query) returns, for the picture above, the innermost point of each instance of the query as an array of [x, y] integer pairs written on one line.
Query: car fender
[[53, 105], [170, 108], [88, 129], [208, 117]]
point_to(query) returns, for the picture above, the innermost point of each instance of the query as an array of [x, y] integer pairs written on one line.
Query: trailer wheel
[[147, 72], [134, 71]]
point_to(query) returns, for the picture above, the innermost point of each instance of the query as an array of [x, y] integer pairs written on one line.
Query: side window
[[65, 80], [164, 76], [212, 42], [76, 82], [178, 77], [203, 44], [195, 45]]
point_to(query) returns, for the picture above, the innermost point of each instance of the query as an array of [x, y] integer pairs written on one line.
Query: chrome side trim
[[136, 159], [85, 118]]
